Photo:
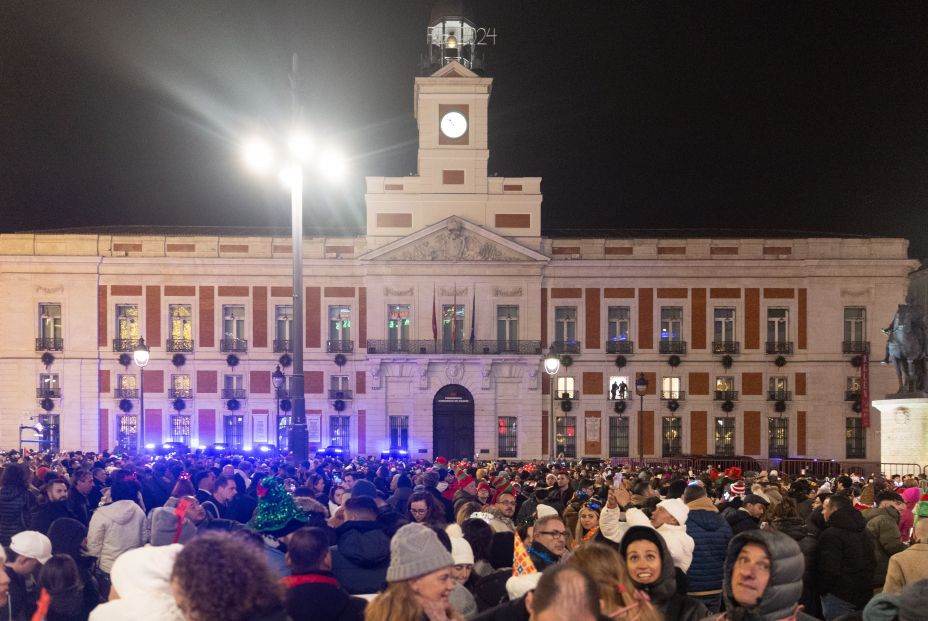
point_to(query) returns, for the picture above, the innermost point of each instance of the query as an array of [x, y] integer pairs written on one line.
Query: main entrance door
[[453, 422]]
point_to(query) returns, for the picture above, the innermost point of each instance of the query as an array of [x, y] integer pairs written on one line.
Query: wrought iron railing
[[672, 347], [779, 395], [126, 393], [180, 393], [726, 395], [475, 348], [125, 344], [779, 347], [726, 347], [44, 343], [620, 347], [851, 395], [565, 347], [855, 347], [340, 394], [673, 395], [48, 393], [567, 395], [233, 393], [233, 345], [282, 345], [179, 345], [339, 347]]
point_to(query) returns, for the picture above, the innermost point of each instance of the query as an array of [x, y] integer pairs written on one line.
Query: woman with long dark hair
[[16, 501]]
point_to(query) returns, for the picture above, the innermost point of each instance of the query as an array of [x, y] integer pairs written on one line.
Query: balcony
[[44, 343], [726, 347], [726, 395], [341, 394], [565, 347], [125, 344], [855, 347], [851, 395], [180, 393], [126, 393], [620, 347], [48, 393], [339, 347], [779, 395], [179, 345], [475, 348], [234, 393], [673, 395], [283, 345], [567, 395], [779, 347], [233, 345], [672, 347]]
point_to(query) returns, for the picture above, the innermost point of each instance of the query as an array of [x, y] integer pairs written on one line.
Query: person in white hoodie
[[118, 526], [669, 519], [142, 587]]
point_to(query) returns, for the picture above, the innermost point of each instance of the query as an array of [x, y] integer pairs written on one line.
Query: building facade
[[426, 331]]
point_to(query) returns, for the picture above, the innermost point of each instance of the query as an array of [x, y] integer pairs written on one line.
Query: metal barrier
[[724, 463], [676, 463], [890, 469]]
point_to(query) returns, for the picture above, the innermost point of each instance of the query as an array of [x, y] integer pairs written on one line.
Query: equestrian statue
[[907, 347]]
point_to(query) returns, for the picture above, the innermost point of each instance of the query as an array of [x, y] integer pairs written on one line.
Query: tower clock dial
[[453, 124]]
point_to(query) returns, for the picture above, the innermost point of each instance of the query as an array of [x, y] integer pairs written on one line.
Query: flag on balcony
[[434, 317], [473, 316]]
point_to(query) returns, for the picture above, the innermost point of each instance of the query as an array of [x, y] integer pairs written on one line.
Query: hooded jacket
[[114, 529], [845, 558], [883, 524], [711, 532], [361, 556], [781, 597], [16, 507], [142, 578]]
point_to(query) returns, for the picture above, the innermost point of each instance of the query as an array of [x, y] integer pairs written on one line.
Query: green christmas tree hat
[[276, 508]]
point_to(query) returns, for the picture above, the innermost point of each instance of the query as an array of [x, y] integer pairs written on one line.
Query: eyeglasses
[[554, 534], [418, 511]]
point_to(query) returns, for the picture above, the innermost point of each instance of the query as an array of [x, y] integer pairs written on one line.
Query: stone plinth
[[904, 430]]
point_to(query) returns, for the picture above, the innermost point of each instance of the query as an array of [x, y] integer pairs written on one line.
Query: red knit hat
[[441, 460], [484, 485], [464, 479]]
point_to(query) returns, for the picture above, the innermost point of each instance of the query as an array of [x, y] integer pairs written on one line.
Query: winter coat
[[906, 567], [711, 534], [115, 528], [46, 513], [845, 558], [400, 499], [361, 556], [317, 596], [679, 543], [15, 512], [799, 531], [781, 597], [883, 524], [740, 521], [513, 610]]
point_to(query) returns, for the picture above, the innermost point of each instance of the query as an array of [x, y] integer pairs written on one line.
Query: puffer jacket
[[845, 558], [883, 524], [16, 508], [781, 597], [116, 528], [711, 532], [361, 556], [803, 533]]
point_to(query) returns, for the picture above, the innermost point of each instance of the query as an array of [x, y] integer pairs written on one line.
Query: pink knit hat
[[910, 495]]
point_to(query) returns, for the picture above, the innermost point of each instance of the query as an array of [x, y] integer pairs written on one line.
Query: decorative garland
[[125, 360], [341, 360], [232, 360], [285, 405], [125, 406], [673, 405], [856, 361], [728, 406], [780, 361], [47, 404], [567, 360], [47, 359], [566, 405], [285, 360], [727, 361], [619, 407], [178, 360], [780, 406], [620, 361], [674, 361], [233, 405], [179, 404], [339, 405]]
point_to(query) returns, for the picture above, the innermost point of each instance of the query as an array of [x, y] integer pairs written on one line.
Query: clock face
[[453, 124]]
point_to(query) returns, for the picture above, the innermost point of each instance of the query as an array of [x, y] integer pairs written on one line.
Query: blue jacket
[[711, 532]]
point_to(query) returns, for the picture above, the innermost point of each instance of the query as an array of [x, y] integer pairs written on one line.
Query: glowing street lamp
[[141, 356], [552, 366], [641, 387]]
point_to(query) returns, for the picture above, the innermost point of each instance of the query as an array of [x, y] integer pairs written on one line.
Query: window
[[339, 431], [852, 388], [339, 323], [180, 428], [619, 323], [233, 386], [507, 434], [565, 325], [565, 388], [618, 389], [777, 325], [566, 436], [49, 386], [670, 388], [671, 436], [399, 432], [778, 388], [233, 328], [283, 432], [725, 388], [725, 436], [671, 323], [723, 331], [618, 436], [856, 444], [126, 386], [855, 324], [127, 327], [283, 324], [398, 321], [778, 437], [339, 387], [127, 432], [507, 327], [51, 431], [233, 428], [180, 386], [181, 327], [50, 327], [452, 327]]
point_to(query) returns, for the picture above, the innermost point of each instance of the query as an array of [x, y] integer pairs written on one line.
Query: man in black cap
[[748, 516]]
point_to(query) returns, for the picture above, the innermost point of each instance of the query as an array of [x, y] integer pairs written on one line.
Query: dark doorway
[[453, 422]]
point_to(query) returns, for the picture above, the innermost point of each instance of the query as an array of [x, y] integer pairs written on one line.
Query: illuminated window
[[399, 432], [619, 323], [671, 323], [618, 388], [50, 326], [778, 437], [339, 431], [566, 436], [51, 431], [507, 436], [856, 438], [233, 428], [180, 428], [452, 327], [670, 388], [340, 323], [283, 324], [127, 432], [49, 385], [507, 327], [181, 326], [671, 436], [855, 324], [233, 328], [399, 320], [127, 325], [725, 436], [565, 388]]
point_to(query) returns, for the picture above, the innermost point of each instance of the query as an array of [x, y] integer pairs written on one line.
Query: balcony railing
[[851, 395], [568, 395], [341, 394], [855, 347], [48, 393], [125, 344], [234, 393], [726, 347], [475, 348], [126, 393], [779, 347], [565, 347], [44, 343], [180, 393], [620, 347], [233, 345], [779, 395], [283, 345], [672, 347], [726, 395], [339, 347], [676, 395], [179, 345]]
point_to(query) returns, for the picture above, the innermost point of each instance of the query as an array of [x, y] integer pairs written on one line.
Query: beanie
[[636, 533], [363, 488], [737, 488], [461, 551], [543, 510], [484, 485], [416, 551], [464, 479], [677, 508]]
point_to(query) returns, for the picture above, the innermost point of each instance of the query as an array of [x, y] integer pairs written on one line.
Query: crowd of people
[[234, 538]]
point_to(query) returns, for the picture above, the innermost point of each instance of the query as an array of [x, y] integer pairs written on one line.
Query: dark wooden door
[[453, 423]]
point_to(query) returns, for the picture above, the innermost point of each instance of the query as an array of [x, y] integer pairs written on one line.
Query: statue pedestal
[[903, 430]]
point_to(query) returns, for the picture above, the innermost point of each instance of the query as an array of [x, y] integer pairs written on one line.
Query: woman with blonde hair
[[618, 597], [419, 579], [587, 522]]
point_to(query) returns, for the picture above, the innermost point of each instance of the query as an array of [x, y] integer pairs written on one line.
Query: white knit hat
[[544, 510], [677, 508], [416, 551], [517, 586], [461, 551]]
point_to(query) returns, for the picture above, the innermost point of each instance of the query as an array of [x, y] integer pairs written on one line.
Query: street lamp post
[[641, 387], [277, 378], [141, 355], [552, 366]]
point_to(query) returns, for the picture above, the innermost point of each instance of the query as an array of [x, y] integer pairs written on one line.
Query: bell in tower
[[453, 37]]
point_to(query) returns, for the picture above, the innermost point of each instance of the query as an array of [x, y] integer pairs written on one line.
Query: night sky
[[801, 116]]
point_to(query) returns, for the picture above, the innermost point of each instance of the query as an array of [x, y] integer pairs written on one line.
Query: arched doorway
[[453, 422]]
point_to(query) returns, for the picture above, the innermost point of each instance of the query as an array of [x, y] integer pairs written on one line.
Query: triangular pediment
[[454, 69], [454, 239]]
